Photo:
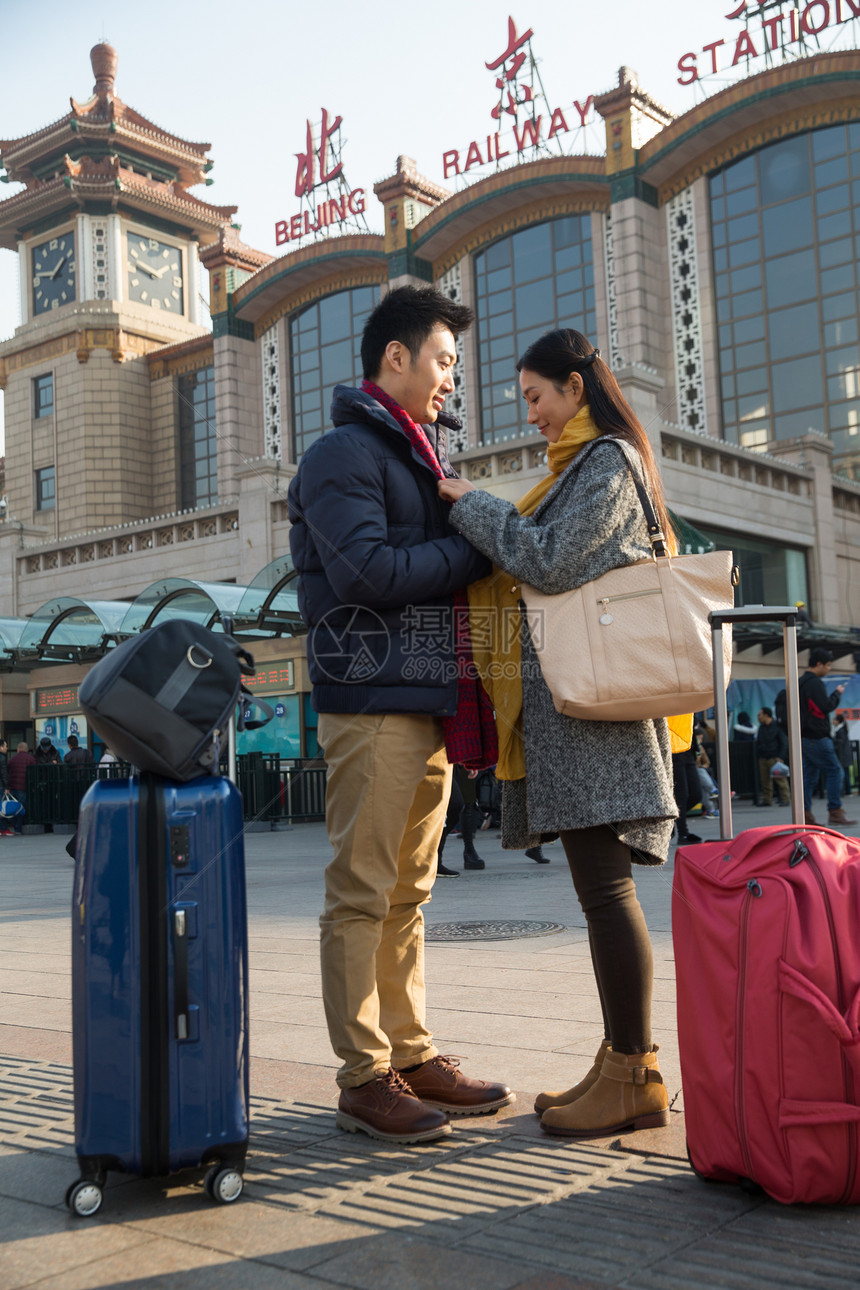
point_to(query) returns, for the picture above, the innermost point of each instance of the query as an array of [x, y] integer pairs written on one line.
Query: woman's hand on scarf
[[451, 490]]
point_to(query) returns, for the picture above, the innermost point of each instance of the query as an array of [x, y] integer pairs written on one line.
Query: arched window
[[784, 224], [325, 351], [529, 283]]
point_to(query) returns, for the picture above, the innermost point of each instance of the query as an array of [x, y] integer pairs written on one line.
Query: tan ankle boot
[[544, 1101], [628, 1094]]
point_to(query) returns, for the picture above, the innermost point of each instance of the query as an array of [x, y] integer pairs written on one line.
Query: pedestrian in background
[[842, 744], [46, 754], [18, 765], [77, 756], [463, 813], [819, 755], [744, 731], [771, 746], [604, 786]]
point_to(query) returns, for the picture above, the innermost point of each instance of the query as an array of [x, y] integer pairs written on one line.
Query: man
[[818, 751], [378, 568], [5, 832], [18, 780], [771, 747], [77, 756]]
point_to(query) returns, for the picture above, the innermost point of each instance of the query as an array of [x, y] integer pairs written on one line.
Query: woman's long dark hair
[[555, 357]]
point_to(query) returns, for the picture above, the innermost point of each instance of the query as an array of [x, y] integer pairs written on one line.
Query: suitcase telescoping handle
[[787, 615]]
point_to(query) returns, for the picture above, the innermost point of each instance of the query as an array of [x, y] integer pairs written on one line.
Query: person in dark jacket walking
[[18, 765], [46, 754], [771, 746], [818, 751], [842, 744], [77, 756], [379, 568]]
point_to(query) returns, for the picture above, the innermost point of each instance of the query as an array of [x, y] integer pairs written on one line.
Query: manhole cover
[[508, 930]]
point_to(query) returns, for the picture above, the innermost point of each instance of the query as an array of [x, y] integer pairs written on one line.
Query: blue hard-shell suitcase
[[159, 984]]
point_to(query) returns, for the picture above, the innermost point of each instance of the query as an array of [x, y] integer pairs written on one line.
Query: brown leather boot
[[386, 1108], [839, 817], [438, 1082], [808, 817], [628, 1094], [544, 1101]]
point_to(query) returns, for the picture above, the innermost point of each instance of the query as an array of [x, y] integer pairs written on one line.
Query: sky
[[246, 77]]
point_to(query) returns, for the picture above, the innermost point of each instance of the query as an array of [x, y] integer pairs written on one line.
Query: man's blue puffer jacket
[[378, 564]]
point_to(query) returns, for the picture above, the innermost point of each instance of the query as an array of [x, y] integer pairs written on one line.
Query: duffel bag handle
[[246, 698], [846, 1028], [795, 1114]]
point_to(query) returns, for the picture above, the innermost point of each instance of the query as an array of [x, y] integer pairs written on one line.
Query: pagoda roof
[[103, 124], [229, 249], [107, 182], [103, 151]]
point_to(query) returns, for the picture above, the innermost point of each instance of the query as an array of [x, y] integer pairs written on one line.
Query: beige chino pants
[[387, 791]]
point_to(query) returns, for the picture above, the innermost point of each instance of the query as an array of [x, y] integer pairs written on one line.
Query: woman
[[605, 787]]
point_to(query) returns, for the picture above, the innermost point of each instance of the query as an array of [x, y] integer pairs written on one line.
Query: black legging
[[621, 954]]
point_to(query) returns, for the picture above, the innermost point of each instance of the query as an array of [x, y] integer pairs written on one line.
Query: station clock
[[155, 273], [54, 273]]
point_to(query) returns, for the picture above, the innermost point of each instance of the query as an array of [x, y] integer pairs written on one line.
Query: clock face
[[53, 273], [154, 273]]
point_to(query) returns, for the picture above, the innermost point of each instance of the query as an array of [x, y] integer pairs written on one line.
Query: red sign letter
[[806, 21], [450, 163], [744, 48], [281, 234], [687, 64], [584, 111], [712, 49]]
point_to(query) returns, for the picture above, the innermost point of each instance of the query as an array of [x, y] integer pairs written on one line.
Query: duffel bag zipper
[[847, 1077], [754, 892]]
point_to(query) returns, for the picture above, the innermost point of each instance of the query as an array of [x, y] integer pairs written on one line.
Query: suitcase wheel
[[84, 1198], [224, 1184]]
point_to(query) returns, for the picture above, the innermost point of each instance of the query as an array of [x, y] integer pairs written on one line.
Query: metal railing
[[273, 790]]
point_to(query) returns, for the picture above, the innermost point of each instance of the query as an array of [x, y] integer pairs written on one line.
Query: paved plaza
[[497, 1205]]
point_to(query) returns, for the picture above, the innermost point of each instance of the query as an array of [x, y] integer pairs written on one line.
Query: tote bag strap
[[656, 536]]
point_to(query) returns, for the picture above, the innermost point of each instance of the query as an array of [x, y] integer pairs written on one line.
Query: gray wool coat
[[578, 773]]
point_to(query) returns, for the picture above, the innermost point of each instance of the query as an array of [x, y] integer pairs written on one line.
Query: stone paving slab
[[497, 1203]]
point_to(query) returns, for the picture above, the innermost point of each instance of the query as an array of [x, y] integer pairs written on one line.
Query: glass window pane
[[833, 199], [787, 226], [828, 143], [784, 170], [791, 278], [794, 331], [740, 175], [797, 384], [540, 278]]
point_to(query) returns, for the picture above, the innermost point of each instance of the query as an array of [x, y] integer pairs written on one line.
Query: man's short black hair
[[409, 314], [72, 741], [819, 655], [766, 712]]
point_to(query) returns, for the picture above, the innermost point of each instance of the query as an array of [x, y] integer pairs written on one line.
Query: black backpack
[[163, 700]]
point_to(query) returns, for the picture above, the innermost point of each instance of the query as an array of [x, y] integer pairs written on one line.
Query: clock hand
[[158, 273], [139, 264], [60, 264]]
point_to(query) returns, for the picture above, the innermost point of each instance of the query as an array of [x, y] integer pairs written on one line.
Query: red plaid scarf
[[470, 735]]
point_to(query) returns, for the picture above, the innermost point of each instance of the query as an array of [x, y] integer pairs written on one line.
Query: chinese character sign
[[508, 64], [306, 180]]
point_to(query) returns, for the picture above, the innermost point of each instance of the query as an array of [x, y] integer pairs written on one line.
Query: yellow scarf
[[494, 618]]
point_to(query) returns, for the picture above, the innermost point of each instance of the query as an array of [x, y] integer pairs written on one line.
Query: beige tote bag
[[636, 642]]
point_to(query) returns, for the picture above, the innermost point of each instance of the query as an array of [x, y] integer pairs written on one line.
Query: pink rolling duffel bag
[[766, 929]]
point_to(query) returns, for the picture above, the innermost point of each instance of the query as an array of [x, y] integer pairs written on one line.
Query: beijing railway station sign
[[328, 204], [774, 30], [524, 125]]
